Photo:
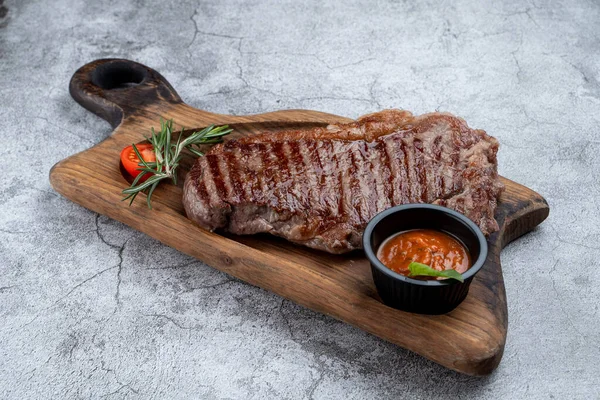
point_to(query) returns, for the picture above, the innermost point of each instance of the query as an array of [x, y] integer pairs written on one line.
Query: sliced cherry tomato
[[131, 161]]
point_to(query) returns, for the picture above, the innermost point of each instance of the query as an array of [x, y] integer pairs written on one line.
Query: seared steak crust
[[319, 187]]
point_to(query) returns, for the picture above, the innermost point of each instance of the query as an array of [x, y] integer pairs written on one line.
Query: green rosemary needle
[[168, 156]]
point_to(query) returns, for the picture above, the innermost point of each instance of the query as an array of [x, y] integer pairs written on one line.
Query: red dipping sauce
[[437, 249]]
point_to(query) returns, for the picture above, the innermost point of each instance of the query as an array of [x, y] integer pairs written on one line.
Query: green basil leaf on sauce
[[418, 269]]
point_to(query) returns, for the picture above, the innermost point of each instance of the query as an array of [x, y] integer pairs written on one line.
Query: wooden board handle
[[115, 88]]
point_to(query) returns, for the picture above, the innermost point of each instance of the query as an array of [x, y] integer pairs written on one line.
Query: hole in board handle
[[118, 75]]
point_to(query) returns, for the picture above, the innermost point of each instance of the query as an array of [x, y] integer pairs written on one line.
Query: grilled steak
[[319, 187]]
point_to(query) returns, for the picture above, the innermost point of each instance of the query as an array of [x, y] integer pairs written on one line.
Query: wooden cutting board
[[133, 97]]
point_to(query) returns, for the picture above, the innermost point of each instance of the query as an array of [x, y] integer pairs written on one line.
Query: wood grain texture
[[133, 97]]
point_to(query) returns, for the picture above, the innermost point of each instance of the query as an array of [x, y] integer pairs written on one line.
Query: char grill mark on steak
[[330, 181], [259, 189], [252, 159], [302, 188], [437, 167], [280, 174], [420, 170], [310, 163], [202, 194], [245, 173], [358, 186], [344, 164], [211, 188], [269, 171], [318, 167], [404, 178], [232, 176], [394, 166], [378, 165], [413, 178], [320, 187], [226, 176], [370, 183], [213, 165]]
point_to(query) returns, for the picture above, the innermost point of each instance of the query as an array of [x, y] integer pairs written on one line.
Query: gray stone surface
[[90, 308]]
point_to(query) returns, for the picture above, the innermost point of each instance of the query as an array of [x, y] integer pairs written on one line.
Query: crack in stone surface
[[195, 28], [372, 93], [121, 384], [119, 266], [80, 284], [173, 321], [287, 322], [310, 393], [300, 99], [74, 288], [561, 240], [100, 235], [312, 55], [516, 60], [588, 77], [119, 270], [225, 282], [241, 76], [184, 265], [211, 34], [566, 313]]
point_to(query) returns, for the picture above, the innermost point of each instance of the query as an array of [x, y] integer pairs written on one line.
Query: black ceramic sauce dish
[[414, 295]]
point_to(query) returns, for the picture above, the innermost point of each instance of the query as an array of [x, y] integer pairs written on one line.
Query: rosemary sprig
[[168, 156]]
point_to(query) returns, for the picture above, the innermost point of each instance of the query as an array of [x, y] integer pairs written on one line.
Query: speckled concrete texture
[[90, 308]]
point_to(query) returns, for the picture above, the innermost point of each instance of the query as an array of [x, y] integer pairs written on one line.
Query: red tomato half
[[130, 160]]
